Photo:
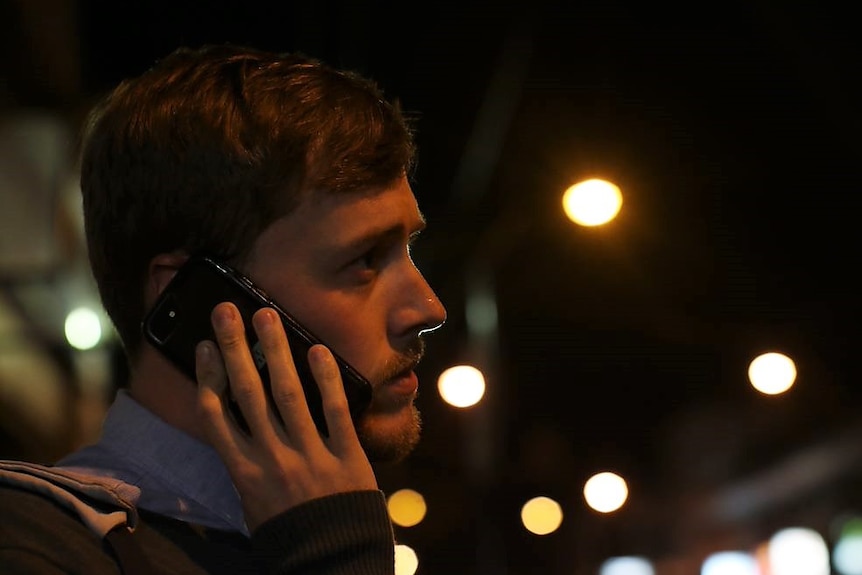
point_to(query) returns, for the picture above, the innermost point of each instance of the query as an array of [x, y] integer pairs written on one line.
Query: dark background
[[733, 131]]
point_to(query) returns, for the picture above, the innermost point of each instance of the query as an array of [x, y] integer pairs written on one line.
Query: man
[[297, 175]]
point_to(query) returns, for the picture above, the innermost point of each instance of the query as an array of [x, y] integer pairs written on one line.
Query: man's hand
[[276, 466]]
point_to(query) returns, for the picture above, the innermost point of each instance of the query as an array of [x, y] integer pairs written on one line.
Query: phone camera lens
[[163, 319]]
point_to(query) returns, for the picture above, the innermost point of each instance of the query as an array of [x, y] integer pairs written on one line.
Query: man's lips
[[405, 383]]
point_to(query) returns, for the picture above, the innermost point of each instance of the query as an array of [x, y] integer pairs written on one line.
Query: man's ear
[[160, 271]]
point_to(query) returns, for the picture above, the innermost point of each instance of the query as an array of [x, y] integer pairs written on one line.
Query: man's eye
[[370, 259]]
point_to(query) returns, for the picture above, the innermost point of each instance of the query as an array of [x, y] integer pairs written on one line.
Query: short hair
[[211, 145]]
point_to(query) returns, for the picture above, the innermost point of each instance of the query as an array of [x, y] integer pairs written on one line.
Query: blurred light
[[730, 563], [481, 313], [406, 561], [847, 554], [798, 551], [606, 492], [541, 515], [461, 386], [406, 507], [83, 328], [592, 202], [772, 373], [627, 566]]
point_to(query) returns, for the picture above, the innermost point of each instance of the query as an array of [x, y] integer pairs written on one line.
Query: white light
[[730, 563], [772, 373], [798, 551], [627, 566], [606, 492], [461, 386], [592, 202], [83, 328], [406, 561]]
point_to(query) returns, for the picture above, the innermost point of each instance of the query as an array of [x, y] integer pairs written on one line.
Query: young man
[[297, 175]]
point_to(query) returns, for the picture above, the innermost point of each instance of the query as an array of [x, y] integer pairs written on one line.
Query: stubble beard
[[387, 445], [392, 441]]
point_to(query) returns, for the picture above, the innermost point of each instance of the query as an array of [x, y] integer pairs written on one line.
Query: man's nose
[[429, 312]]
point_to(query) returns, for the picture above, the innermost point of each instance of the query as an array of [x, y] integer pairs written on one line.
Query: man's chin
[[390, 437]]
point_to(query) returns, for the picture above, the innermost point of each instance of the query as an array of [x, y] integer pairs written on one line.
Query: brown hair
[[207, 148]]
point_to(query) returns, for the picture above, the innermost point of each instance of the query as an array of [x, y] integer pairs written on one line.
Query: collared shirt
[[178, 476]]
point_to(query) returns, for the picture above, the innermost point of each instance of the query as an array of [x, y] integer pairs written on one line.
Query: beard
[[385, 442], [389, 433]]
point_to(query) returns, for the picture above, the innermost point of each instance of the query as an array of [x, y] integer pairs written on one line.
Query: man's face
[[341, 265]]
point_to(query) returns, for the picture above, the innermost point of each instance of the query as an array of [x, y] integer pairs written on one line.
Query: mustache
[[406, 360]]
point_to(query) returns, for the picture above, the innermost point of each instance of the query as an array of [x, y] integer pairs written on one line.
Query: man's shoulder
[[37, 534], [40, 535], [21, 507]]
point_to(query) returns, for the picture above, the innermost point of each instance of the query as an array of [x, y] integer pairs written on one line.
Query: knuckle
[[287, 398], [231, 342], [243, 389], [209, 406]]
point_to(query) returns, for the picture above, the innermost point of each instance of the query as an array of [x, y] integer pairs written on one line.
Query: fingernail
[[223, 316], [204, 351], [266, 316]]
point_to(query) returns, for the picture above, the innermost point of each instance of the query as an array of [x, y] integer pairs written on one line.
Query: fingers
[[212, 386], [335, 407], [246, 388], [285, 388], [295, 425]]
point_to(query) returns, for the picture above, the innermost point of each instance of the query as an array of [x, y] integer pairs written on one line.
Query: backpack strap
[[104, 504]]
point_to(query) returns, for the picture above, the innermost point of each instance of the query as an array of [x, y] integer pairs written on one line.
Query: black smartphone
[[180, 319]]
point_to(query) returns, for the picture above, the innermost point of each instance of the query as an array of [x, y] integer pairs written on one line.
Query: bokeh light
[[798, 551], [606, 492], [406, 560], [730, 563], [83, 328], [406, 507], [847, 553], [541, 515], [592, 202], [630, 565], [772, 373], [461, 385]]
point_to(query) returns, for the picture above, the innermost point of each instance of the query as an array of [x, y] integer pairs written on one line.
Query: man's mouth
[[405, 383]]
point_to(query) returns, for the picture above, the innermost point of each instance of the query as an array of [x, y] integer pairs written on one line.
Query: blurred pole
[[485, 436]]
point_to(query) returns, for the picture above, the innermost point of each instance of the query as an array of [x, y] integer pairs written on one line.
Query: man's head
[[210, 146], [295, 173]]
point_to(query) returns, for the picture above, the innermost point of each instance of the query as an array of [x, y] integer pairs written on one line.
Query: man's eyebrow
[[386, 234]]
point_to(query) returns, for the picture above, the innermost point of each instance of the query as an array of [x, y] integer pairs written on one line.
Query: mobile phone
[[180, 319]]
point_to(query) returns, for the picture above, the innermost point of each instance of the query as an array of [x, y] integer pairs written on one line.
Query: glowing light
[[772, 373], [798, 551], [592, 202], [627, 566], [481, 313], [847, 554], [83, 328], [730, 563], [406, 507], [461, 386], [406, 561], [606, 492], [541, 515]]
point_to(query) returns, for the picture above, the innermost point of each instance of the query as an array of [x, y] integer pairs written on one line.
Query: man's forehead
[[344, 218], [396, 201]]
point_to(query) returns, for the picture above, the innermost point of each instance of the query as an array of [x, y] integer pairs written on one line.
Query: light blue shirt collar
[[178, 476]]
